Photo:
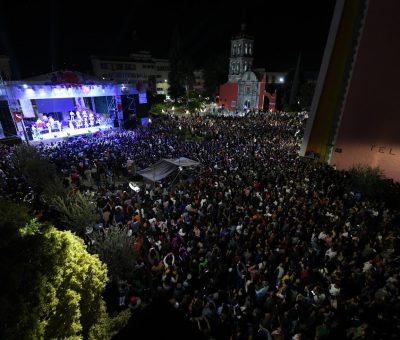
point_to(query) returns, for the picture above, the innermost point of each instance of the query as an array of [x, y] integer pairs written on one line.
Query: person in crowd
[[256, 243]]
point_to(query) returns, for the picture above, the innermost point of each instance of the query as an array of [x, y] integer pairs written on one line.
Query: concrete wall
[[369, 131]]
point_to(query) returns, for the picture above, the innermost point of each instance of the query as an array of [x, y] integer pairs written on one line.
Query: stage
[[47, 138], [65, 104]]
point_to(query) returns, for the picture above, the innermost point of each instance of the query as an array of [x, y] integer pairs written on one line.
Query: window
[[245, 48], [162, 68], [245, 64], [104, 66], [248, 89], [130, 67], [250, 49], [119, 66]]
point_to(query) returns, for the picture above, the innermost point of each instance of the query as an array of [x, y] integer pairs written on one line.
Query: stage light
[[134, 186], [25, 86], [281, 80]]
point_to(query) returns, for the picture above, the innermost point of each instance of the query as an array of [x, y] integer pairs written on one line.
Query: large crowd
[[255, 243]]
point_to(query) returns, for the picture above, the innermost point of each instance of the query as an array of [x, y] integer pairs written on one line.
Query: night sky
[[39, 35]]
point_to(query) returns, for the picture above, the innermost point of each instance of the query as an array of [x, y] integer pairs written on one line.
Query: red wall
[[228, 92], [370, 128], [261, 91]]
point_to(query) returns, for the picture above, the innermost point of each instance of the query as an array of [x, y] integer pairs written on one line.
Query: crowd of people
[[257, 243]]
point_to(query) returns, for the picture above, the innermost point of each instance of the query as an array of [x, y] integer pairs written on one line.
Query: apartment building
[[140, 69]]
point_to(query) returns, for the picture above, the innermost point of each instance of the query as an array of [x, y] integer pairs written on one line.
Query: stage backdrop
[[55, 105]]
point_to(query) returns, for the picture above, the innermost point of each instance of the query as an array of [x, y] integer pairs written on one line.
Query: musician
[[39, 123], [35, 131], [78, 119], [59, 125], [72, 115], [91, 119], [49, 123]]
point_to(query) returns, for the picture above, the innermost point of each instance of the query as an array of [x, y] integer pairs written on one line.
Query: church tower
[[241, 59]]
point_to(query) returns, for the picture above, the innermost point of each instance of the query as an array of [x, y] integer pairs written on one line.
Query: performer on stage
[[85, 119], [35, 131], [91, 119], [78, 120], [59, 125], [39, 123], [72, 115]]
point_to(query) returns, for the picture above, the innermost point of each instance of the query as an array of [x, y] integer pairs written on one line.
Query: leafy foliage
[[306, 94], [372, 183], [77, 210], [115, 248], [55, 287], [13, 216], [215, 73], [181, 70], [40, 174], [116, 323]]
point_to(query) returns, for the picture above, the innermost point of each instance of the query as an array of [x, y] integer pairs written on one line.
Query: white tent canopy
[[165, 167]]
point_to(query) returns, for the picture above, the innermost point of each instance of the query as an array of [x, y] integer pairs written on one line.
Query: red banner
[[17, 116]]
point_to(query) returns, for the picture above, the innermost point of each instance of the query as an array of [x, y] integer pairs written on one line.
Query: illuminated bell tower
[[241, 59]]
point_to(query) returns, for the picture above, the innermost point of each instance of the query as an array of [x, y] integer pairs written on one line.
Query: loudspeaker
[[6, 120]]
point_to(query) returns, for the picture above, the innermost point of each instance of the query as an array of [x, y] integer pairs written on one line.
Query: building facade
[[139, 69], [352, 120], [246, 88]]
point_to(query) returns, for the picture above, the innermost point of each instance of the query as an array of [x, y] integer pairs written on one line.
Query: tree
[[77, 210], [181, 75], [56, 289], [215, 73], [306, 94], [115, 248], [39, 173], [13, 216]]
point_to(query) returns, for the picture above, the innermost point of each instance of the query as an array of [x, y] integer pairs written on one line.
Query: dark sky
[[39, 34]]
